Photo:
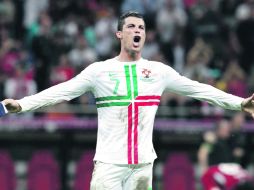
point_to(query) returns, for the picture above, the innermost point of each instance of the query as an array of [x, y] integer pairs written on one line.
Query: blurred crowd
[[47, 42]]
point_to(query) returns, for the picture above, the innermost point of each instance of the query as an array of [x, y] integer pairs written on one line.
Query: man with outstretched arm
[[127, 89]]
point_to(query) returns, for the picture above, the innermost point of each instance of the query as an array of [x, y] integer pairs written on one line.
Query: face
[[238, 121], [224, 129], [133, 34]]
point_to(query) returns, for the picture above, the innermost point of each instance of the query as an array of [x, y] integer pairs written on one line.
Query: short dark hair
[[124, 16]]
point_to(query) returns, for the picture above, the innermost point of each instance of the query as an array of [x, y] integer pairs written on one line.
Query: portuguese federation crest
[[146, 73]]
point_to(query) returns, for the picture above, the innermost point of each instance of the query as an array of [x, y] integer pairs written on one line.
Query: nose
[[137, 31]]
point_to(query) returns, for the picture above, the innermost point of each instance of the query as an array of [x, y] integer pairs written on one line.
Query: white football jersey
[[127, 97]]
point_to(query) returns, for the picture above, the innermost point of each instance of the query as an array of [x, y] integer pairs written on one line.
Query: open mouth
[[136, 39]]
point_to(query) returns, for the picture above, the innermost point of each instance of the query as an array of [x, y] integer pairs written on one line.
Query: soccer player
[[127, 89]]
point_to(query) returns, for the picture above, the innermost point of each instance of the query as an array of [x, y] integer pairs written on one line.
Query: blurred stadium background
[[45, 42]]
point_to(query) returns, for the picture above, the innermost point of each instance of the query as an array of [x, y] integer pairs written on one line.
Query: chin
[[133, 50], [137, 50]]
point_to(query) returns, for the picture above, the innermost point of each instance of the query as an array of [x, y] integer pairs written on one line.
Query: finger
[[7, 101], [4, 102]]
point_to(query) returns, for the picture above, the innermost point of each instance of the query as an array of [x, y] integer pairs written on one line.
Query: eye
[[130, 26], [142, 27]]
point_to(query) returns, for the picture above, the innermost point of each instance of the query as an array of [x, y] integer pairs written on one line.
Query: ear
[[119, 34]]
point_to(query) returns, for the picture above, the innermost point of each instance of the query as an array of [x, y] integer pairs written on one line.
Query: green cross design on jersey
[[132, 101], [109, 100]]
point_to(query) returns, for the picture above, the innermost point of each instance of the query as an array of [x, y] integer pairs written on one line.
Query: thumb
[[7, 101], [248, 100], [252, 97]]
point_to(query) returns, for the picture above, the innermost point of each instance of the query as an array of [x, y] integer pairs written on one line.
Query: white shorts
[[122, 176]]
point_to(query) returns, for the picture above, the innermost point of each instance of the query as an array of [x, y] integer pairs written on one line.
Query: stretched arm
[[184, 86], [62, 92]]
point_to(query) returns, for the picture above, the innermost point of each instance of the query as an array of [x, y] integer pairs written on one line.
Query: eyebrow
[[141, 25]]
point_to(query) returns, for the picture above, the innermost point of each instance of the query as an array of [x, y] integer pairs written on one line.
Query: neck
[[129, 55]]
